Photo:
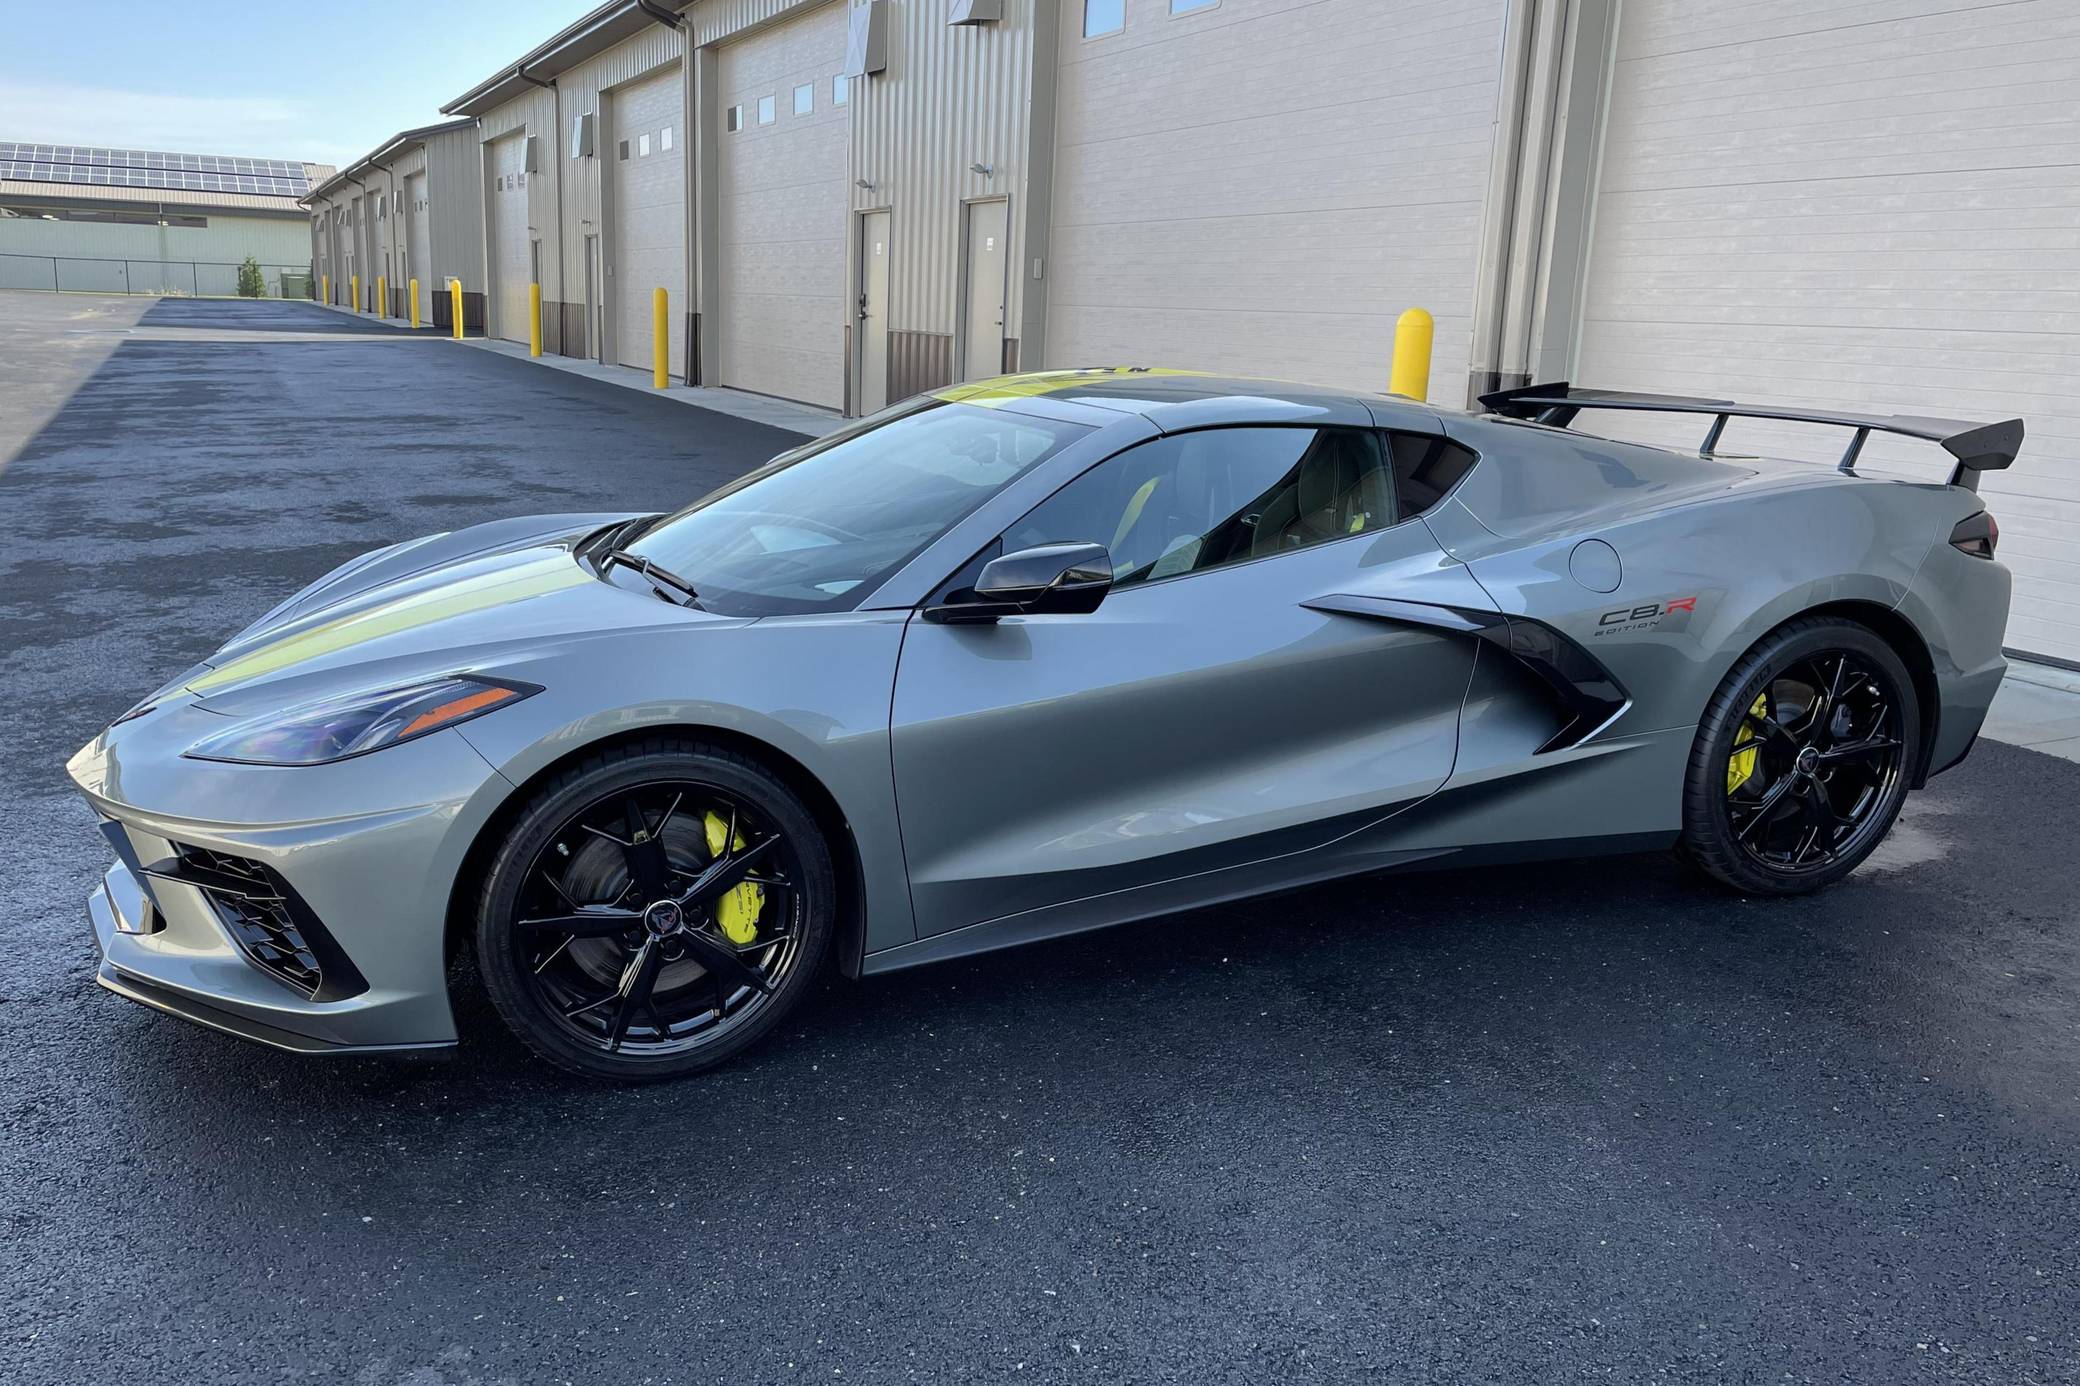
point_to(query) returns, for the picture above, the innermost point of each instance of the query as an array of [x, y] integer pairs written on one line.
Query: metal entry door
[[988, 229], [873, 311]]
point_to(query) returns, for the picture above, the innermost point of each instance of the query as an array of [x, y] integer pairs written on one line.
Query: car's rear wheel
[[654, 911], [1802, 759]]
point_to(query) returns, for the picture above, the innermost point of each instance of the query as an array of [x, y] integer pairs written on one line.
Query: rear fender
[[1693, 587]]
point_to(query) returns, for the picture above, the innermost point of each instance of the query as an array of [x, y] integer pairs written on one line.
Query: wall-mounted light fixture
[[863, 185], [984, 169]]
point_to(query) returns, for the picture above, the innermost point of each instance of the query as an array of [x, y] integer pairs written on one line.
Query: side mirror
[[1049, 580]]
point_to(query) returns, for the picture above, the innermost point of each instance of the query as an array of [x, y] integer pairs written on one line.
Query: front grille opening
[[270, 924]]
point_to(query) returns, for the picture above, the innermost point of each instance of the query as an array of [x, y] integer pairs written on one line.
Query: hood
[[472, 601]]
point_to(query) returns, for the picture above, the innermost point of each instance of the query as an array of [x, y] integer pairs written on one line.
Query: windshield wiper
[[663, 580]]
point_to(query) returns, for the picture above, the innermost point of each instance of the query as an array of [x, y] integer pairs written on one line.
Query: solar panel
[[139, 168]]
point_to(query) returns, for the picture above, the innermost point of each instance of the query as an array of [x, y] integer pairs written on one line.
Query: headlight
[[356, 723]]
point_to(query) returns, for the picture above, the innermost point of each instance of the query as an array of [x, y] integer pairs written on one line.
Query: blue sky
[[280, 79]]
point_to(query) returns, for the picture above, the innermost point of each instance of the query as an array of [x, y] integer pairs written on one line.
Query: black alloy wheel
[[653, 913], [1803, 759]]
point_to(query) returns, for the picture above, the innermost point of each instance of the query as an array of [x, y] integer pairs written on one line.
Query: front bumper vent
[[268, 921]]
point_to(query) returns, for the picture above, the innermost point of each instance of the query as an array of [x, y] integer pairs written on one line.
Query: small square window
[[765, 110], [1103, 17], [664, 139], [841, 90], [805, 99], [643, 145], [734, 119], [1187, 6]]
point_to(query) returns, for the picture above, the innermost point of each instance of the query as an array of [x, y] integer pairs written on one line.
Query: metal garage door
[[1802, 204], [420, 245], [648, 225], [1264, 187], [782, 208], [512, 250]]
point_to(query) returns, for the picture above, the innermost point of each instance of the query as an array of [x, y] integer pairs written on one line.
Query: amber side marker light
[[466, 705]]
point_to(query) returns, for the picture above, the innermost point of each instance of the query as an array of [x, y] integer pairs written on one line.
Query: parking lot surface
[[1583, 1121]]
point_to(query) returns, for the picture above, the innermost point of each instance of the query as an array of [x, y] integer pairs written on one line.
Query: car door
[[1205, 720]]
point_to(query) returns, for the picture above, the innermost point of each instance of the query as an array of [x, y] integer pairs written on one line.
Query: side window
[[1198, 500], [1425, 467]]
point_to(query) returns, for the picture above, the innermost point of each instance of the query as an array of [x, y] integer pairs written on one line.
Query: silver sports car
[[1019, 659]]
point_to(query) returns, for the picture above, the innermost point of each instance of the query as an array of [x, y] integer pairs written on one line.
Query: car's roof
[[1174, 398]]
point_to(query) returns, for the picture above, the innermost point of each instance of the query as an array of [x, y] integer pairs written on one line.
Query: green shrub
[[251, 283]]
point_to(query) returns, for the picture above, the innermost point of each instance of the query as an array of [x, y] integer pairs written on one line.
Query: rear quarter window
[[1426, 468]]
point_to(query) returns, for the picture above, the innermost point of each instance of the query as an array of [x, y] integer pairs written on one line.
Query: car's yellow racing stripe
[[1006, 389], [550, 573]]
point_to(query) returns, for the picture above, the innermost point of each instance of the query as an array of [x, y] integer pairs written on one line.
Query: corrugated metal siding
[[454, 185], [1265, 185], [644, 55], [87, 196], [953, 96], [1862, 206], [718, 20]]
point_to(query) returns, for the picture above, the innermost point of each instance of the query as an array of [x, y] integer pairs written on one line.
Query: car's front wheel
[[1802, 760], [655, 910]]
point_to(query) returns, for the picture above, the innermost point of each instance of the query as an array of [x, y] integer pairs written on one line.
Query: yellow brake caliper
[[737, 912], [1740, 766]]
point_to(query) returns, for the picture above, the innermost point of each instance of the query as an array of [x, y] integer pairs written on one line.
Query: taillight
[[1977, 535]]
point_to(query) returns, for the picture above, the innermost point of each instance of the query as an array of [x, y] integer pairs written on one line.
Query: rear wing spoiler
[[1977, 447]]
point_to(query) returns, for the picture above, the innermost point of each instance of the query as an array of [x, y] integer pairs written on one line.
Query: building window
[[643, 145], [622, 150], [841, 90], [1187, 6], [1103, 17], [765, 110], [734, 119], [805, 99], [664, 139]]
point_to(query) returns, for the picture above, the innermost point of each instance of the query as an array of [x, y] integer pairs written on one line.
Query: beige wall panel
[[1263, 186], [511, 245], [647, 221], [1869, 206], [781, 200]]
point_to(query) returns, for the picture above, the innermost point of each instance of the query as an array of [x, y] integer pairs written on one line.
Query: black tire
[[1816, 786], [797, 908]]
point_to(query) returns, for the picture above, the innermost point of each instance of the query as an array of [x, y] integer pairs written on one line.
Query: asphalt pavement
[[1585, 1121]]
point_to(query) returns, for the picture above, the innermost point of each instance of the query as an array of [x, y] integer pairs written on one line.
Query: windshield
[[819, 528]]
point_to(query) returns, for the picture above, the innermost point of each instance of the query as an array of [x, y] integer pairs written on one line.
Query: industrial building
[[84, 218], [1871, 206], [408, 212]]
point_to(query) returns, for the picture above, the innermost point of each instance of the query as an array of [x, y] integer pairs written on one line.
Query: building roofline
[[591, 34], [389, 148], [32, 193]]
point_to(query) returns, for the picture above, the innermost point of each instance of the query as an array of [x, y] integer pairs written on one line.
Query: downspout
[[662, 16], [555, 182]]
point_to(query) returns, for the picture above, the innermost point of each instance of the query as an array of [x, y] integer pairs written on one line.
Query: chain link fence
[[186, 278]]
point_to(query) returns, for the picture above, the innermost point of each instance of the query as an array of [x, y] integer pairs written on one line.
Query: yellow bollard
[[534, 320], [382, 296], [354, 285], [1410, 375], [660, 339], [415, 304], [455, 296], [324, 288]]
